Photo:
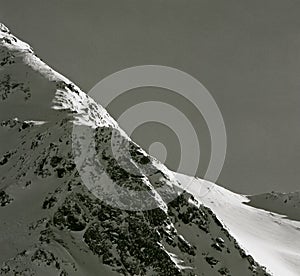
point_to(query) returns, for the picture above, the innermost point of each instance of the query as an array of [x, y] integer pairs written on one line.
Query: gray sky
[[246, 53]]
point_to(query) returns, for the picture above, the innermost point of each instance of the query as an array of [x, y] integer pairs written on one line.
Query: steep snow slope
[[52, 224], [271, 239]]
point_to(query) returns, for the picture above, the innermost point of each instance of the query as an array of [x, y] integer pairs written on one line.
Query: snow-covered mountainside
[[270, 238], [52, 224], [287, 204]]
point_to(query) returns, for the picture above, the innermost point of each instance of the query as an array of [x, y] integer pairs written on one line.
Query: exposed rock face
[[55, 225]]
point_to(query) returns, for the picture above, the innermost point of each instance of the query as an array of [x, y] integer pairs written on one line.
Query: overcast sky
[[246, 53]]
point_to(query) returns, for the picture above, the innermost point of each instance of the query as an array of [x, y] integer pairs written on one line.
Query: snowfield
[[272, 239]]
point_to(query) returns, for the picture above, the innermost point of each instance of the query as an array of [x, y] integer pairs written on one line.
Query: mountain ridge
[[65, 229]]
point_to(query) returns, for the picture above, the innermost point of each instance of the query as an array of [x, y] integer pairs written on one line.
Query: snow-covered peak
[[54, 224], [11, 42]]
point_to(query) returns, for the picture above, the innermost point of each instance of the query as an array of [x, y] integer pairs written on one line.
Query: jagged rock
[[68, 228]]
